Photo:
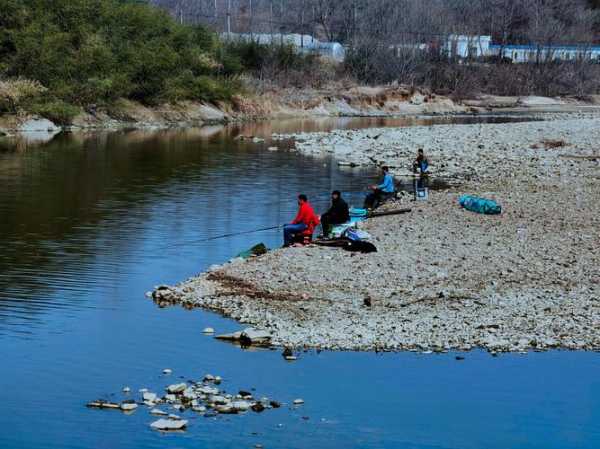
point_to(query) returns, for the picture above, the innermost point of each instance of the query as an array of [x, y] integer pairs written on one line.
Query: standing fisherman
[[421, 163]]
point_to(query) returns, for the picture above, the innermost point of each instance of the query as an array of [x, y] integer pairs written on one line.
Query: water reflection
[[87, 205]]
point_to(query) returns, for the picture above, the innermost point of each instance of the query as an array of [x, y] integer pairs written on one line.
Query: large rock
[[169, 424], [38, 125]]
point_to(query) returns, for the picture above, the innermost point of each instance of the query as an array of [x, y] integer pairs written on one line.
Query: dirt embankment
[[333, 101], [443, 278]]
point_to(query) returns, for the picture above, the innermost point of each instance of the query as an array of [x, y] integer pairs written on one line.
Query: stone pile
[[203, 397]]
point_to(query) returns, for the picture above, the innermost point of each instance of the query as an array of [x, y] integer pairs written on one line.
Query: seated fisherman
[[421, 163], [381, 192], [304, 223], [337, 214]]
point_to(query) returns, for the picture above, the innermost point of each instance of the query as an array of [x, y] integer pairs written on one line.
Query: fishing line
[[253, 231], [218, 237]]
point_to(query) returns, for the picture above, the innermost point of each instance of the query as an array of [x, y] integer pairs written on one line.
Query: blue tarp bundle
[[480, 205], [356, 212]]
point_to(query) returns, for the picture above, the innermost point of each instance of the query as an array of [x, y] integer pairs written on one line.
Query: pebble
[[298, 401], [167, 371]]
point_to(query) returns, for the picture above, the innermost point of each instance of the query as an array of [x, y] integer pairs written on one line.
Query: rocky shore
[[443, 278]]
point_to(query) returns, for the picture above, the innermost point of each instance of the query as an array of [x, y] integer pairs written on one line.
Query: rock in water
[[103, 404], [258, 407], [287, 352], [256, 337], [150, 397], [208, 330], [169, 424], [128, 406], [298, 401], [167, 371], [176, 388], [241, 406]]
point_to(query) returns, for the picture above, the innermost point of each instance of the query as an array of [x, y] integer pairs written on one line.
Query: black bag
[[360, 246]]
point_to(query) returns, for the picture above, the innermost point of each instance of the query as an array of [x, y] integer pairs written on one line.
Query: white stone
[[256, 336], [158, 412], [176, 388], [150, 397], [127, 406], [241, 406], [169, 424], [298, 401], [190, 394], [208, 330], [167, 371]]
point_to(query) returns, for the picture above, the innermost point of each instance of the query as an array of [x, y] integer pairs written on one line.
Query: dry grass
[[13, 92]]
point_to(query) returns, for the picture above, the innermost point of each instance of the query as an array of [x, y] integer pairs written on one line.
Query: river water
[[91, 221]]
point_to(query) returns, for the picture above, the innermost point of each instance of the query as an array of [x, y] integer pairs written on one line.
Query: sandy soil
[[443, 278]]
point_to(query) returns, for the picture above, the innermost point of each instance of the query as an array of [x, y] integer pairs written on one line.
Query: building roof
[[581, 47]]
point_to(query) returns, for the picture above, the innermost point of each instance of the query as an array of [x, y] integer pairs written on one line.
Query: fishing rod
[[253, 231], [218, 237]]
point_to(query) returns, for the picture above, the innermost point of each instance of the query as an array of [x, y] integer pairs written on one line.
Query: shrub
[[56, 111], [96, 51], [281, 64], [15, 92]]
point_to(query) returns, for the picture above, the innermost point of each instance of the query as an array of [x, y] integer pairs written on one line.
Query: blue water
[[91, 222]]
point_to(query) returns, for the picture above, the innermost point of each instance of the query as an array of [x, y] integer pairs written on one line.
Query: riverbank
[[336, 100], [442, 278]]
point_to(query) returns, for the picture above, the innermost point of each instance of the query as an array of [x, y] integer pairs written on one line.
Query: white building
[[461, 46], [304, 43], [532, 53]]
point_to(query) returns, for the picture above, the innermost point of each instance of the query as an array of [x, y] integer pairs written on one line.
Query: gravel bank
[[443, 278]]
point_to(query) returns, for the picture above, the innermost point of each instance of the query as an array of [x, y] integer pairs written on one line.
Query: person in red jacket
[[305, 222]]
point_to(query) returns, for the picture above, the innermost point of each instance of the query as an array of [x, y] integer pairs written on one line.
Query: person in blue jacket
[[381, 192]]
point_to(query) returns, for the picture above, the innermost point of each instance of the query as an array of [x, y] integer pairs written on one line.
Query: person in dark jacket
[[421, 163], [337, 214]]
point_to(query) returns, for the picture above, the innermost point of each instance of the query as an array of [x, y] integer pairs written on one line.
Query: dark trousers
[[290, 230], [329, 220], [375, 199]]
